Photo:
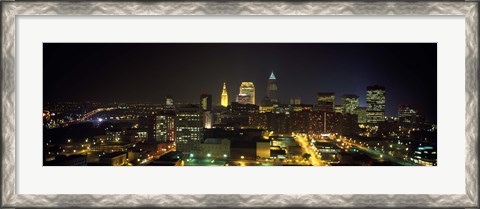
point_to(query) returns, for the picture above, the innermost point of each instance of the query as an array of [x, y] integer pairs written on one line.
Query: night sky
[[148, 72]]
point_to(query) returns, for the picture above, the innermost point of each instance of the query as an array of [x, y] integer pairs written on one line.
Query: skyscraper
[[206, 102], [224, 98], [249, 89], [375, 104], [326, 101], [349, 103], [189, 125], [272, 88]]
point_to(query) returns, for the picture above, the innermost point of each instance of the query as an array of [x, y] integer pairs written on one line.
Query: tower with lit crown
[[224, 98], [272, 88], [248, 89]]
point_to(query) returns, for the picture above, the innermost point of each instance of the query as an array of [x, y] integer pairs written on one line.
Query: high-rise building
[[375, 104], [189, 126], [224, 98], [361, 112], [272, 88], [338, 109], [169, 105], [206, 102], [407, 116], [165, 127], [349, 103], [295, 101], [326, 101], [249, 89], [151, 128]]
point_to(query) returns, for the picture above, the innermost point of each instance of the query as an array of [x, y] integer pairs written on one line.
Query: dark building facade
[[325, 102]]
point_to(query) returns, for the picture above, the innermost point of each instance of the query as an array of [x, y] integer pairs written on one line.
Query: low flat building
[[215, 148], [263, 149], [169, 159], [282, 141], [277, 152], [114, 158], [68, 160]]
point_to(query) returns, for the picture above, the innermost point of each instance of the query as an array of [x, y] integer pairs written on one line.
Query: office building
[[189, 128], [244, 99], [295, 101], [240, 108], [361, 113], [349, 103], [338, 109], [165, 127], [272, 88], [206, 102], [151, 127], [407, 116], [249, 89], [375, 104], [325, 101], [169, 104]]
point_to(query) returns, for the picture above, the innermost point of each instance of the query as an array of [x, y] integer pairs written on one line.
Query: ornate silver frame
[[10, 10]]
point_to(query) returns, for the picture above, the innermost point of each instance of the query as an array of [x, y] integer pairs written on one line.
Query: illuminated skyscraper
[[325, 101], [349, 103], [249, 89], [375, 104], [272, 88], [224, 98]]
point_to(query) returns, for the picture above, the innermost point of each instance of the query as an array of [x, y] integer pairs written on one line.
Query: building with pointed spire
[[224, 98], [272, 88]]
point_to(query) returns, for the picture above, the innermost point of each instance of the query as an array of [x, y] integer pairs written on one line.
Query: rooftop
[[112, 155]]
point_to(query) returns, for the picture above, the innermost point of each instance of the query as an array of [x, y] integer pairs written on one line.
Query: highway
[[376, 153]]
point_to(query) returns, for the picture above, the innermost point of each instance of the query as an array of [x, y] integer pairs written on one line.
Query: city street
[[304, 143]]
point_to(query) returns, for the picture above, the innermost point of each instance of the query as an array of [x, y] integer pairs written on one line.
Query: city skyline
[[217, 105], [415, 85]]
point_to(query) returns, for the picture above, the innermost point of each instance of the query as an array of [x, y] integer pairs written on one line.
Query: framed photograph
[[246, 104]]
